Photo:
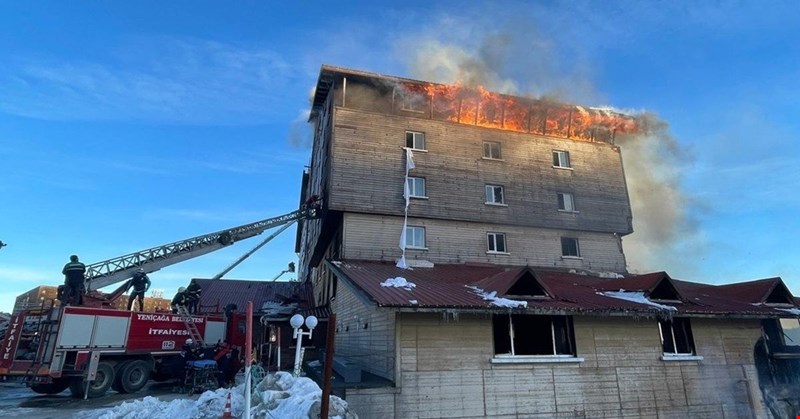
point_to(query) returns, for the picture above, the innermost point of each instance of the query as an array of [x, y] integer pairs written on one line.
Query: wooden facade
[[441, 363]]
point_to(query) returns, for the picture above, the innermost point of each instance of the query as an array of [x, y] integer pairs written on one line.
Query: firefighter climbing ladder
[[190, 326]]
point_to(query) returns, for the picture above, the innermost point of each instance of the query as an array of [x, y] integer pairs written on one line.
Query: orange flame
[[481, 107]]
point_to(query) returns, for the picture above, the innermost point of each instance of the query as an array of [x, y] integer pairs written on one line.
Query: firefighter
[[179, 300], [193, 296], [140, 284], [74, 278]]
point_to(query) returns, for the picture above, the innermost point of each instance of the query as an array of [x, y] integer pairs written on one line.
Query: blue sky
[[130, 125]]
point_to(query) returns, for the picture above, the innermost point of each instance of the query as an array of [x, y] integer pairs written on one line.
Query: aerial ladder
[[121, 268]]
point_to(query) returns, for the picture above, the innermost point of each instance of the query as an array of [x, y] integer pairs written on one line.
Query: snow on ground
[[498, 301], [279, 395], [399, 282], [636, 297]]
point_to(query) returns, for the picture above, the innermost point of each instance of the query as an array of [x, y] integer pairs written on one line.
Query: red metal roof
[[454, 286], [218, 293]]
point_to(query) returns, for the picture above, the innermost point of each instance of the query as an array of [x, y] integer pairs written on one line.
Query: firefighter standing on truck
[[74, 272], [179, 299], [140, 284], [193, 296]]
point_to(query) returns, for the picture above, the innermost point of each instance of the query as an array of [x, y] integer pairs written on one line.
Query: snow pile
[[498, 301], [399, 282], [636, 297], [277, 396]]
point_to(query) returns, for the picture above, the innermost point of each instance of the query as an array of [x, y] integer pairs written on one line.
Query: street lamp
[[297, 322]]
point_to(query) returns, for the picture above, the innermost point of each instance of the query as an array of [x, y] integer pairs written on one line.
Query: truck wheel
[[134, 376], [102, 382], [117, 385], [57, 386]]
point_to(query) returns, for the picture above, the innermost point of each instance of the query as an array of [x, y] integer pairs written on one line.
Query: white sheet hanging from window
[[401, 263]]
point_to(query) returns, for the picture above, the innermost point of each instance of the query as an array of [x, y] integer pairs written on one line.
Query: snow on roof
[[636, 297], [278, 395], [794, 311], [497, 301], [399, 282]]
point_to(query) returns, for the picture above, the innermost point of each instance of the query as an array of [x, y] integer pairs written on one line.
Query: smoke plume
[[652, 159]]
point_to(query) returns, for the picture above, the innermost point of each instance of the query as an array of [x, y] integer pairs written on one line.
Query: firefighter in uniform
[[73, 281], [140, 284], [193, 296], [179, 299]]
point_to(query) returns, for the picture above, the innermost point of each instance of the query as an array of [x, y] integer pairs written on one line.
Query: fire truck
[[94, 347]]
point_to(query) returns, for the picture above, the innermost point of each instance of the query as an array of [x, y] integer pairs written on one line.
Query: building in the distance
[[470, 248], [41, 296]]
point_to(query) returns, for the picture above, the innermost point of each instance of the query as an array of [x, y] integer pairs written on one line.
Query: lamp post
[[297, 322]]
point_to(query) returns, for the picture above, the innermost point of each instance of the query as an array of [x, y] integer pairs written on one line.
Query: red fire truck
[[93, 348]]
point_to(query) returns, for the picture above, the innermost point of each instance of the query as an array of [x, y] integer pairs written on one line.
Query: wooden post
[[327, 381]]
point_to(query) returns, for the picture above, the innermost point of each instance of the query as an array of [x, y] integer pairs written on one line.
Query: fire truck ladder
[[46, 331], [188, 320], [107, 272]]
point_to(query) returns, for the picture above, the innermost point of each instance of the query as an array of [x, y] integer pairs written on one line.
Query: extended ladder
[[46, 332], [188, 320]]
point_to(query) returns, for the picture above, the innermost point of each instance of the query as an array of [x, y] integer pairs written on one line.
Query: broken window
[[415, 237], [415, 140], [494, 194], [676, 336], [561, 158], [416, 187], [569, 247], [521, 334], [497, 242], [491, 150], [566, 202], [791, 331]]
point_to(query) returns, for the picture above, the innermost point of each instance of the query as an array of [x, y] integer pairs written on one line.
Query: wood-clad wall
[[445, 371], [373, 347], [369, 168], [375, 237]]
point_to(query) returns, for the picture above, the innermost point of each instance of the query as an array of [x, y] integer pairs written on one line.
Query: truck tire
[[102, 382], [57, 386], [117, 385], [135, 375]]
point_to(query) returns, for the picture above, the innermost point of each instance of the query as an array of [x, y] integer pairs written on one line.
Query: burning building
[[471, 249]]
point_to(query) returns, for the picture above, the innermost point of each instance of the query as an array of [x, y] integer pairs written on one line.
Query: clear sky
[[125, 125]]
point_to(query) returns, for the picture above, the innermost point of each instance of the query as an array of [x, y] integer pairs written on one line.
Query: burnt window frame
[[670, 339], [522, 336]]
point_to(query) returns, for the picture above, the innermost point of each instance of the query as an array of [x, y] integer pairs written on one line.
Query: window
[[415, 140], [413, 102], [676, 336], [791, 331], [561, 158], [491, 150], [415, 237], [569, 247], [497, 242], [416, 187], [566, 202], [519, 334], [494, 194]]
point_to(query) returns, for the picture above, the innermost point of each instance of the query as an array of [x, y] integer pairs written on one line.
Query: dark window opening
[[533, 335], [665, 291], [676, 336], [779, 296], [569, 247], [527, 285]]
